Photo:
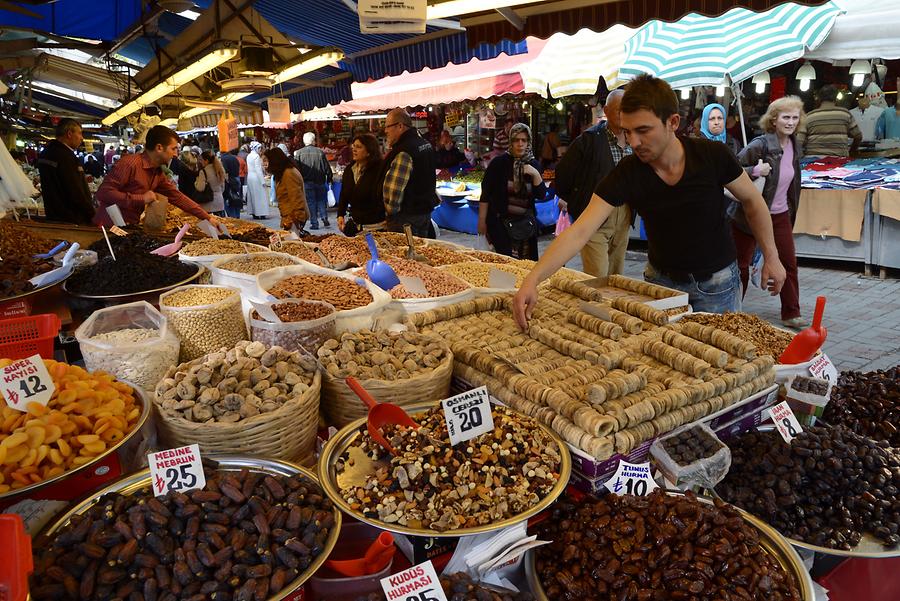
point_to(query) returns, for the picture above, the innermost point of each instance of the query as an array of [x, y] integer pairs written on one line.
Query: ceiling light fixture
[[805, 75], [859, 69], [685, 93], [309, 62], [720, 91], [761, 80], [452, 8]]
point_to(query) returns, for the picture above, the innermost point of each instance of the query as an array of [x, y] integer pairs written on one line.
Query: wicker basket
[[287, 433], [341, 406]]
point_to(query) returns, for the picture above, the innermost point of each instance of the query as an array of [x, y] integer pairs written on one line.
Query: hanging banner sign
[[392, 16], [279, 110]]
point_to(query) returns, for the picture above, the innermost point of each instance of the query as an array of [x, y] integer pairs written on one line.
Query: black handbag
[[520, 228]]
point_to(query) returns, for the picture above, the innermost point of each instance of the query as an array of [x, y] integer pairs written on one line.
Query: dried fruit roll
[[616, 384], [710, 354], [719, 338], [677, 359], [628, 323], [643, 288], [576, 288], [608, 329], [638, 309]]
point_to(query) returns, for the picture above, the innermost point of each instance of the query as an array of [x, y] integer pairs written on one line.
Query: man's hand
[[773, 275], [764, 169], [563, 205], [524, 303], [340, 223], [533, 173], [482, 227], [148, 196], [213, 220]]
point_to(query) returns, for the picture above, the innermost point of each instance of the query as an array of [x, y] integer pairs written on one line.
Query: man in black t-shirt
[[677, 187]]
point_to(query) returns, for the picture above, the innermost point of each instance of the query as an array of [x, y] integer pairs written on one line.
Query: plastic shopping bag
[[481, 243], [228, 132], [563, 222], [756, 265], [331, 201]]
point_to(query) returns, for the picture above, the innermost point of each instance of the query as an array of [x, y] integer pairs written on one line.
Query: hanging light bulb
[[805, 75], [685, 93], [760, 80], [491, 105], [859, 69], [720, 91], [524, 103], [559, 105]]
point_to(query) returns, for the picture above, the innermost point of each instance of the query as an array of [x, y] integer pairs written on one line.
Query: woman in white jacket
[[257, 201], [213, 175]]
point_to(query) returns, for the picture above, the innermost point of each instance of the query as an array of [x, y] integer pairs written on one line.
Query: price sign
[[26, 381], [823, 368], [418, 583], [275, 240], [176, 469], [468, 415], [632, 479], [785, 421]]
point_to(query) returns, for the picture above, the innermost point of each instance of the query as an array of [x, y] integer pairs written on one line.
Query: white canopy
[[866, 30]]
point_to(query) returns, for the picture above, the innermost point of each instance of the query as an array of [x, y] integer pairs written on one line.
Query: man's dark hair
[[827, 93], [160, 134], [649, 93], [65, 126], [278, 162]]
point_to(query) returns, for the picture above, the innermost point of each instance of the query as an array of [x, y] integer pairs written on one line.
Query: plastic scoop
[[381, 415], [207, 228], [379, 272], [806, 342], [411, 252], [52, 251], [265, 311], [115, 214], [378, 555], [167, 250], [55, 275]]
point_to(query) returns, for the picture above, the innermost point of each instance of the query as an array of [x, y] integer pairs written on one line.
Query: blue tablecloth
[[461, 215]]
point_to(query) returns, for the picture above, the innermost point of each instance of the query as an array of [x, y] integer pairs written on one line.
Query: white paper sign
[[785, 421], [418, 583], [26, 381], [823, 368], [497, 278], [595, 310], [632, 479], [176, 469], [468, 415]]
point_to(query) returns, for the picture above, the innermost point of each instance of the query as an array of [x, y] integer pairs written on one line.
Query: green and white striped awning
[[698, 50]]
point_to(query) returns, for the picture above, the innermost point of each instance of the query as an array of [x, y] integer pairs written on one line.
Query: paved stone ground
[[862, 313]]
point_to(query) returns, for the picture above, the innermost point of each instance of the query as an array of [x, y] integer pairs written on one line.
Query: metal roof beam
[[510, 15]]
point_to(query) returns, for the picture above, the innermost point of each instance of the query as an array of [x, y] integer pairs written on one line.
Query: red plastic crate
[[15, 558], [26, 336]]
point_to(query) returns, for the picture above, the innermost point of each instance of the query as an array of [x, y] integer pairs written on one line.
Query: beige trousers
[[604, 253]]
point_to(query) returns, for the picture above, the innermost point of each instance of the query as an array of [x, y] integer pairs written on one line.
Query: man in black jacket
[[234, 197], [408, 176], [65, 191], [587, 161]]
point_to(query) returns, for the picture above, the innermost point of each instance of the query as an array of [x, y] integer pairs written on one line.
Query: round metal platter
[[200, 271], [772, 541], [343, 440]]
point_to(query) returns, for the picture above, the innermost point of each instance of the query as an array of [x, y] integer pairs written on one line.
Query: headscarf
[[255, 146], [520, 162], [704, 122], [284, 149]]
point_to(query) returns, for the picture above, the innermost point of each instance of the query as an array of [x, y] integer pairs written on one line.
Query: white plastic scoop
[[55, 275]]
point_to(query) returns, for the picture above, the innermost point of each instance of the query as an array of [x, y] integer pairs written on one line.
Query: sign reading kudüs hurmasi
[[418, 583]]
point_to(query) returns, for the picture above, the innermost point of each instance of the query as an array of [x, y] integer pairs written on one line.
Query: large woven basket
[[341, 406], [287, 433]]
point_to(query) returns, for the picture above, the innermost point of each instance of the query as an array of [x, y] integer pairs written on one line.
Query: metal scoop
[[167, 250], [381, 415], [380, 273], [411, 252]]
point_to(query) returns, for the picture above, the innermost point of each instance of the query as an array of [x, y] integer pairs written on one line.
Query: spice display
[[459, 586], [342, 293], [210, 246], [88, 414], [139, 355], [433, 485], [437, 282], [827, 487], [255, 264], [235, 384], [304, 325], [205, 318], [246, 536], [299, 250], [132, 272], [133, 243], [478, 274], [767, 339], [381, 355], [868, 404], [656, 547]]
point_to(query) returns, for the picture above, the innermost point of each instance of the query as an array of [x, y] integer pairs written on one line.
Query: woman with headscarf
[[257, 199], [512, 185], [712, 126]]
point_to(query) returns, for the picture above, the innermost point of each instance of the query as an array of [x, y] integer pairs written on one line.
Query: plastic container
[[16, 562], [354, 539], [205, 327], [295, 335], [23, 337], [141, 358], [704, 472]]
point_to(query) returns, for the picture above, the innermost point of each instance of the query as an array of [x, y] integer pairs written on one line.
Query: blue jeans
[[317, 201], [718, 294]]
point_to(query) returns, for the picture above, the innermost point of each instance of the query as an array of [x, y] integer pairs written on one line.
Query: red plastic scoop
[[15, 558], [380, 415], [806, 342], [378, 555]]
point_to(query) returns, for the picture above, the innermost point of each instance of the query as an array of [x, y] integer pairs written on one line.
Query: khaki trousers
[[604, 253]]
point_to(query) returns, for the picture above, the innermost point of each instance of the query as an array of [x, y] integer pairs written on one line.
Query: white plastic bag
[[331, 201], [705, 472], [481, 243], [756, 265]]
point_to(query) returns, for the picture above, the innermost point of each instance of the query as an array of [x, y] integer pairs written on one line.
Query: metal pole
[[738, 95]]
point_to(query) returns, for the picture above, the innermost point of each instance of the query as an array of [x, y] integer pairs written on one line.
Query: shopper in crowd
[[234, 197], [108, 157], [361, 193], [587, 161], [408, 177], [866, 117], [93, 166], [289, 189], [212, 175], [501, 136], [448, 155], [776, 156], [257, 201], [827, 129], [888, 125], [511, 186], [549, 148], [712, 126], [677, 187], [186, 166], [65, 191], [316, 178], [136, 179]]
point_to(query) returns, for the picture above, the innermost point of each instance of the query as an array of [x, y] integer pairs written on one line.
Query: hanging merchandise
[[487, 119], [279, 110], [228, 132]]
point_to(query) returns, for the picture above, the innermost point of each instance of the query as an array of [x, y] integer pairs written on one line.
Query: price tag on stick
[[468, 415], [26, 381], [418, 583], [176, 469], [785, 420], [632, 479], [823, 368]]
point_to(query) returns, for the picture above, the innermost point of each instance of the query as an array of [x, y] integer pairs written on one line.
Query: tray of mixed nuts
[[431, 488]]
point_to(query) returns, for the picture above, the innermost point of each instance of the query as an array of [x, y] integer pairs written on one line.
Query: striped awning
[[571, 64], [698, 50]]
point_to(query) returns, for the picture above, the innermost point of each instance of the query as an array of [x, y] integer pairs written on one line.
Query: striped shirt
[[827, 131]]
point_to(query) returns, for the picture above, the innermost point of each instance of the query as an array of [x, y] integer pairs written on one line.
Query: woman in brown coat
[[288, 189]]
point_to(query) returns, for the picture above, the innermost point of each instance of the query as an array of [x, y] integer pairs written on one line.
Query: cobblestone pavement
[[862, 313]]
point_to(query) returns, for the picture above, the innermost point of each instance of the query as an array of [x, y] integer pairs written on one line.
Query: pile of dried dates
[[867, 403]]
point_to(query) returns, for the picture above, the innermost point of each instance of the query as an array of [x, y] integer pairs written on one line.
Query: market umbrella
[[572, 64], [865, 30]]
